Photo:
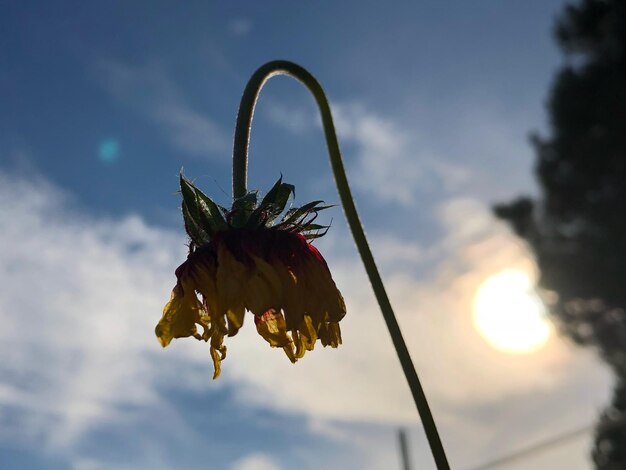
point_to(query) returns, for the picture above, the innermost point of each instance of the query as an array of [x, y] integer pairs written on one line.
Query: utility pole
[[404, 449]]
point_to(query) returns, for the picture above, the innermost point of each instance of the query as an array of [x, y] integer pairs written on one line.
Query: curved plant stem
[[240, 169]]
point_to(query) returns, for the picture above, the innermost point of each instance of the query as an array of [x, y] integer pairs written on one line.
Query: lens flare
[[108, 151]]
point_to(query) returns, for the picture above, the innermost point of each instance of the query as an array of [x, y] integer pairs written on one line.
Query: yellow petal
[[231, 277], [217, 360], [330, 335], [204, 276], [218, 353], [259, 298], [297, 341], [264, 290], [308, 333], [290, 354], [180, 315], [270, 274], [335, 335], [291, 299], [309, 291], [235, 316], [271, 326]]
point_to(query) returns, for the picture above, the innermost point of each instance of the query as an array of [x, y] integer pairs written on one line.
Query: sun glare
[[509, 315]]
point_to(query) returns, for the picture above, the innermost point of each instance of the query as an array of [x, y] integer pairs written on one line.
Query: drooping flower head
[[249, 258]]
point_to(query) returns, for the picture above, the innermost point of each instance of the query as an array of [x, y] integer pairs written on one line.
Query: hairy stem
[[240, 169]]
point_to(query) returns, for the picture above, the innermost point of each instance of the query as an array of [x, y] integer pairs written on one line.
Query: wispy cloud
[[75, 319], [386, 159], [393, 250], [389, 163], [149, 92], [295, 119], [256, 462], [471, 148]]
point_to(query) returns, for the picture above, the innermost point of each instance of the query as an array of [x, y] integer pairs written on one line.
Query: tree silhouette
[[610, 449], [577, 228]]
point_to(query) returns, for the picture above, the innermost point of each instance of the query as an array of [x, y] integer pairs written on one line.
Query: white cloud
[[148, 91], [256, 461], [79, 298], [77, 303], [294, 119], [392, 250], [388, 160]]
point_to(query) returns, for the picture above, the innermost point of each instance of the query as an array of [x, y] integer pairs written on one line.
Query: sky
[[103, 103]]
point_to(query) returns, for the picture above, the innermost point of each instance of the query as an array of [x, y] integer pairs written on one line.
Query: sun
[[509, 315]]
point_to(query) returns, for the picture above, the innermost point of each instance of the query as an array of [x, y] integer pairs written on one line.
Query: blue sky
[[104, 102]]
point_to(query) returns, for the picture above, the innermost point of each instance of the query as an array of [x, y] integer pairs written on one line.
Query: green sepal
[[196, 234], [223, 210], [276, 199], [202, 216], [313, 231], [191, 212], [297, 214], [272, 205], [210, 213], [242, 209]]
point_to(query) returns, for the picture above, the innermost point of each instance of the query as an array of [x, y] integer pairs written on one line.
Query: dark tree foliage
[[610, 449], [577, 228]]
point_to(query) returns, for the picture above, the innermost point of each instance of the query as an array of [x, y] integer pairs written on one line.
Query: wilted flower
[[240, 259]]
